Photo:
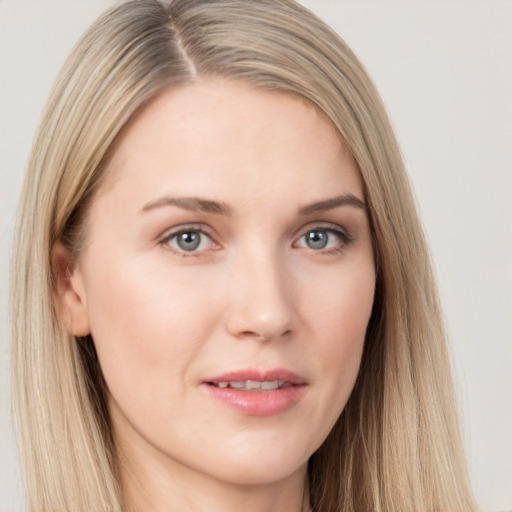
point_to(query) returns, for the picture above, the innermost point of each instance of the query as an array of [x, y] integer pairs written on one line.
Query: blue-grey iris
[[317, 239], [188, 240]]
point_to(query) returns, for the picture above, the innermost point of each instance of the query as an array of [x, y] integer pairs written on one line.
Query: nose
[[261, 297]]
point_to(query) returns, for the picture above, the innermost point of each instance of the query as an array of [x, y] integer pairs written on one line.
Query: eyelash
[[345, 239], [166, 240]]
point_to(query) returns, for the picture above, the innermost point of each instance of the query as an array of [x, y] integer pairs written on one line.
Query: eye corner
[[189, 241], [324, 239]]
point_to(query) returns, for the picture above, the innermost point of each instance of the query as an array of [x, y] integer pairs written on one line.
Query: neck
[[146, 493], [151, 484]]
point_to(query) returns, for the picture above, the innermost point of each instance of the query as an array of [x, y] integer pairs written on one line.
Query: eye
[[322, 239], [188, 241], [317, 239]]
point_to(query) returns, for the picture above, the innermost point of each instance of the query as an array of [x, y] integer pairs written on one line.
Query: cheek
[[144, 322], [338, 315], [340, 305]]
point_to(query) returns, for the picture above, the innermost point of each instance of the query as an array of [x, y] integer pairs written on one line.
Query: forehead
[[211, 136]]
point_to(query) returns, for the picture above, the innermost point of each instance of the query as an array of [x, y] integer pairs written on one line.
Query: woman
[[231, 303]]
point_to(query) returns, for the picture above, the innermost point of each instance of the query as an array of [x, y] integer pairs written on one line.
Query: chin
[[259, 463], [260, 473]]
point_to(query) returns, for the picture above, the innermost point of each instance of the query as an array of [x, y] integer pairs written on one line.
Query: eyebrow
[[331, 203], [198, 204], [195, 204]]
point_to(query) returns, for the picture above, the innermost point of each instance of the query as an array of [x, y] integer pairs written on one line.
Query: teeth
[[252, 384], [270, 385], [248, 385]]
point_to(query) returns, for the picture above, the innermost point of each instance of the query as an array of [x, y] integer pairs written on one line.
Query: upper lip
[[259, 375]]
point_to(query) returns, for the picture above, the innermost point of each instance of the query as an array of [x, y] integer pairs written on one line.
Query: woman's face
[[227, 280]]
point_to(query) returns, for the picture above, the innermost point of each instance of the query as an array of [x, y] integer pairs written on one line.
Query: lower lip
[[258, 403]]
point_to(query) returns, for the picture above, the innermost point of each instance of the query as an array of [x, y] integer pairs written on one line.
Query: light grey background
[[444, 70]]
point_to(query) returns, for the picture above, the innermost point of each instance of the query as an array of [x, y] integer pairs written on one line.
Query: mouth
[[257, 393], [251, 385], [257, 380]]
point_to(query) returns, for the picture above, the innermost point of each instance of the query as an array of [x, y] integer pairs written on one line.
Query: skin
[[254, 294]]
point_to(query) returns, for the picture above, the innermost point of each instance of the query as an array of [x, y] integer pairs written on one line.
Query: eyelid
[[168, 234], [342, 233], [325, 225]]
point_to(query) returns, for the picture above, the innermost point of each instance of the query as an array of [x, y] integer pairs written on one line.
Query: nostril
[[264, 336]]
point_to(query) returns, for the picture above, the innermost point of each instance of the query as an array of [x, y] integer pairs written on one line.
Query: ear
[[69, 292]]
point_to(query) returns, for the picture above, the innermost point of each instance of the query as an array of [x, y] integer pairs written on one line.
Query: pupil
[[189, 241], [316, 239]]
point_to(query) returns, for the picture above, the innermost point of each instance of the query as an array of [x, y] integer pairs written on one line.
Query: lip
[[258, 403]]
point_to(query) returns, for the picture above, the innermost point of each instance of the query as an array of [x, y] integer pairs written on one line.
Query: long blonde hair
[[396, 446]]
